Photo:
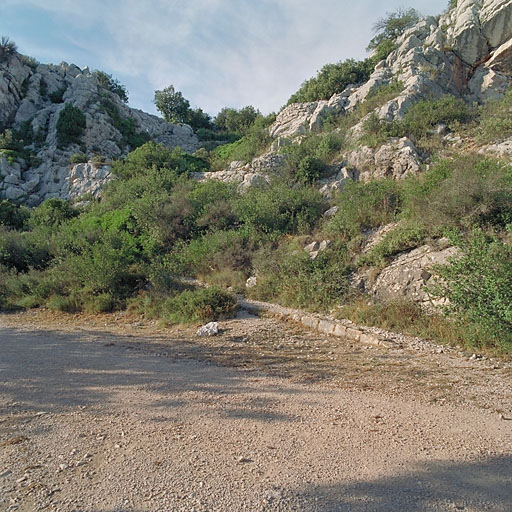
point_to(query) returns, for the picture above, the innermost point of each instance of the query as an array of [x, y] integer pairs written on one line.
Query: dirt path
[[111, 414]]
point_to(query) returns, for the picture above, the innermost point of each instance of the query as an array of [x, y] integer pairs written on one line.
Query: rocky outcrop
[[335, 183], [466, 52], [408, 274], [32, 98], [397, 159], [258, 172], [503, 148]]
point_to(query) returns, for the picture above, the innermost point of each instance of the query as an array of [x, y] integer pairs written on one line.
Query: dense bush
[[289, 276], [70, 125], [496, 120], [235, 121], [20, 251], [153, 157], [52, 213], [202, 305], [332, 79], [126, 126], [13, 216], [308, 160], [461, 193], [425, 115], [279, 209], [364, 206], [419, 122], [252, 144], [478, 287]]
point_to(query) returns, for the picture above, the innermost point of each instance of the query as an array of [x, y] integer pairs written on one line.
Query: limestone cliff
[[32, 97]]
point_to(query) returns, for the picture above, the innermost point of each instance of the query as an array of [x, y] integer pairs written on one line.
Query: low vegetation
[[70, 125], [155, 226]]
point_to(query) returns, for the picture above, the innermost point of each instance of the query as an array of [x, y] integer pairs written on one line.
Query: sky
[[218, 53]]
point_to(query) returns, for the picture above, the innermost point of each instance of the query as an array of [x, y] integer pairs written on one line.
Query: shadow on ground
[[435, 486], [54, 372]]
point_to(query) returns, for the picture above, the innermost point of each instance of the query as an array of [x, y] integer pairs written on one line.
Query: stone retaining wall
[[324, 324]]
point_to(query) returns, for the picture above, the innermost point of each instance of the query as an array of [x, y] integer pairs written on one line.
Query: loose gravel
[[113, 413]]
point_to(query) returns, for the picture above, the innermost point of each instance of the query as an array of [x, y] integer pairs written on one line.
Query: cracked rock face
[[34, 95], [466, 52], [397, 159], [406, 277]]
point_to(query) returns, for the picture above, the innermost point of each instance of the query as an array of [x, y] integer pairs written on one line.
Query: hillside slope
[[32, 98]]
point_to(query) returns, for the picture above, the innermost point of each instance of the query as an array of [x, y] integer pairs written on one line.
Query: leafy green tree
[[172, 105], [236, 121], [392, 26], [176, 109]]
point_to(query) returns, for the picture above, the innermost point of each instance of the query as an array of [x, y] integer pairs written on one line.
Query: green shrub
[[67, 304], [126, 126], [13, 216], [496, 120], [252, 144], [478, 287], [21, 251], [364, 206], [305, 162], [404, 237], [111, 84], [214, 252], [332, 79], [57, 96], [424, 116], [231, 120], [459, 193], [280, 209], [202, 305], [289, 276], [152, 157], [102, 303], [78, 158], [70, 125], [52, 213]]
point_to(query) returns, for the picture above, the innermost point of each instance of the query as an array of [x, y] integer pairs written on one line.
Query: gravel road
[[94, 419]]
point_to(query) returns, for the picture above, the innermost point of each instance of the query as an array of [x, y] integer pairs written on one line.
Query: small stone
[[210, 329], [244, 460], [5, 473], [331, 211]]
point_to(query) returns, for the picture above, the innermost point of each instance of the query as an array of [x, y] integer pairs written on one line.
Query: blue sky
[[216, 52]]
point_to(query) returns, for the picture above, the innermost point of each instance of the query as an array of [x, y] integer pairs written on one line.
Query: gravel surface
[[113, 413]]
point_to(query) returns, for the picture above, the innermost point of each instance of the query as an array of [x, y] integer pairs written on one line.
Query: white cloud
[[217, 52]]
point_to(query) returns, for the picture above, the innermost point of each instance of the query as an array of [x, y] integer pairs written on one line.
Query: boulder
[[397, 158], [407, 275], [210, 329]]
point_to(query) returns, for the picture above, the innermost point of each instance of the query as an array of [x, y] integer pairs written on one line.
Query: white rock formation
[[36, 95]]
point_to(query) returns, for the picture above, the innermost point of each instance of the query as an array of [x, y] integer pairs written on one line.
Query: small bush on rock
[[70, 125]]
